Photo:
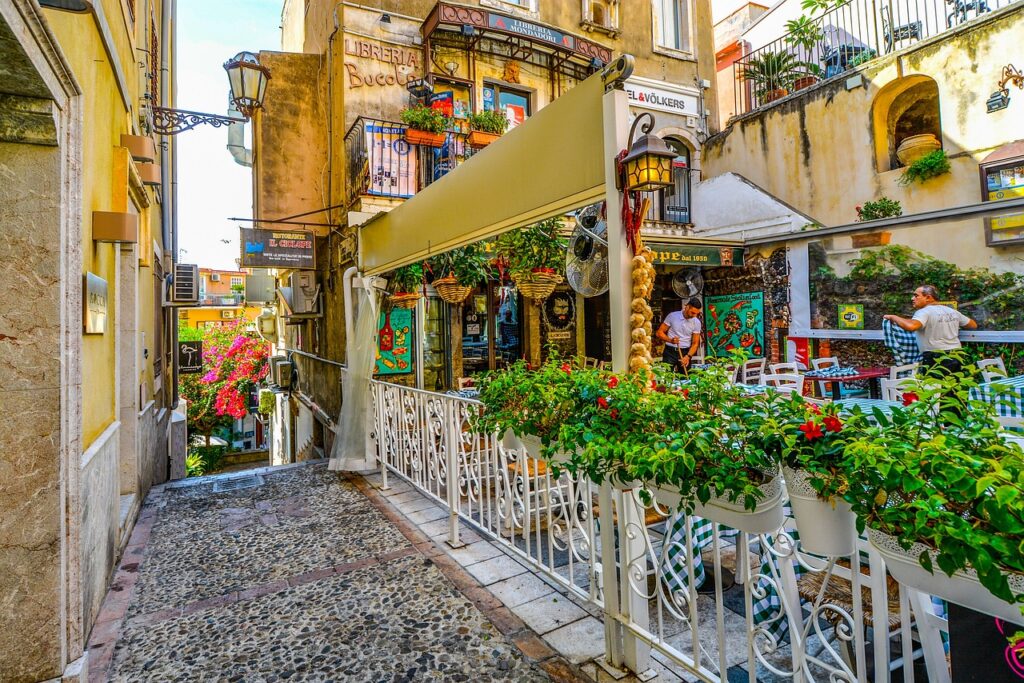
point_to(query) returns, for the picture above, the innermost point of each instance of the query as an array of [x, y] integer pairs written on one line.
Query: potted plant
[[810, 442], [772, 74], [460, 271], [485, 127], [941, 492], [810, 75], [927, 167], [914, 147], [426, 126], [535, 256], [405, 284], [883, 207]]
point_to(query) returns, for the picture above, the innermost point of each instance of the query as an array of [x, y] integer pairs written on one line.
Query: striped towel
[[903, 344]]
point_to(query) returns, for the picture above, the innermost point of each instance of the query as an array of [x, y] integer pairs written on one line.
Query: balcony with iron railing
[[828, 45], [383, 163]]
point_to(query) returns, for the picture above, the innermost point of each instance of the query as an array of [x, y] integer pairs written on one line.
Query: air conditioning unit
[[228, 314], [214, 277], [305, 292], [281, 371], [184, 288]]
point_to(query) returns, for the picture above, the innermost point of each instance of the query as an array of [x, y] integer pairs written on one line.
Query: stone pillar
[[126, 356]]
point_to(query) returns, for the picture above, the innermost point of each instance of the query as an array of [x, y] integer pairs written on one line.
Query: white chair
[[821, 364], [992, 366], [892, 389], [903, 371], [784, 382], [752, 370], [733, 372], [786, 368]]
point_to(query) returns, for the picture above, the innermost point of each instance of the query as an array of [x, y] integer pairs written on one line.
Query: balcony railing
[[842, 39], [382, 163]]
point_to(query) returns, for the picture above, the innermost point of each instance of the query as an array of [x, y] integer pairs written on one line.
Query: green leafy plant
[[540, 246], [407, 279], [772, 71], [881, 208], [938, 471], [425, 119], [491, 121], [203, 459], [470, 265], [862, 58], [804, 32], [266, 405], [927, 167]]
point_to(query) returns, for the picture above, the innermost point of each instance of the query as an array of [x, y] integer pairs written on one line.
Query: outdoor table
[[873, 375], [867, 405], [1008, 402]]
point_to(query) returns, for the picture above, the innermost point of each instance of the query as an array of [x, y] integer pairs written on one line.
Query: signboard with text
[[190, 357], [277, 249], [696, 255], [643, 95]]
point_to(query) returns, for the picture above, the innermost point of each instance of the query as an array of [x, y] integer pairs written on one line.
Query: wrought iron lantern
[[647, 165], [248, 79]]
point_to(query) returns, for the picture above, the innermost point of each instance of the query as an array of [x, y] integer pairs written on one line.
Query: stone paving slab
[[310, 576]]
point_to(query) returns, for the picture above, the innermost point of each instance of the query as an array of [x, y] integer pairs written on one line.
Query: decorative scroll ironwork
[[173, 121]]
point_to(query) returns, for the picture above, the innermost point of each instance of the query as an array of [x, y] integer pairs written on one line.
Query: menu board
[[1004, 181]]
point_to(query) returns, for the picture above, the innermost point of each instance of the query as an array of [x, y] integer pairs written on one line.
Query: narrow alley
[[301, 575]]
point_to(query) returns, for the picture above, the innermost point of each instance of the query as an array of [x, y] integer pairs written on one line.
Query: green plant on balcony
[[492, 121], [861, 58], [804, 32], [773, 74], [927, 167], [881, 208], [425, 119]]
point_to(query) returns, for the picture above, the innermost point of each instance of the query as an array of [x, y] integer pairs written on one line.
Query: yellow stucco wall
[[820, 150]]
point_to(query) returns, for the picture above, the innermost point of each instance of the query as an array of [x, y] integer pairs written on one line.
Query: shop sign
[[402, 64], [697, 255], [644, 96], [190, 357], [95, 304], [273, 249], [530, 30], [394, 343], [851, 316]]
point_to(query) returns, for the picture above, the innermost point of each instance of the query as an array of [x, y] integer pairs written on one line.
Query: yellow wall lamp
[[647, 165], [1000, 99]]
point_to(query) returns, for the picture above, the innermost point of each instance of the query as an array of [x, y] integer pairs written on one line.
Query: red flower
[[686, 393], [602, 401], [660, 388], [613, 382], [615, 414], [811, 430], [566, 368], [832, 424], [654, 384], [909, 397]]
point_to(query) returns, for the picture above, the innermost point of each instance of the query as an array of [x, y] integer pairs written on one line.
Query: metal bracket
[[173, 121]]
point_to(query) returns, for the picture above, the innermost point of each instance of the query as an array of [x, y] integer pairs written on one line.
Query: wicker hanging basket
[[404, 299], [449, 289], [537, 286]]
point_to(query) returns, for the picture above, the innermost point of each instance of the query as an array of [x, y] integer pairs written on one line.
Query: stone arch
[[907, 106]]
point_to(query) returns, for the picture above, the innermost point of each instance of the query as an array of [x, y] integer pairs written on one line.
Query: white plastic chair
[[992, 366], [785, 368], [752, 370], [892, 389], [903, 371], [784, 382], [821, 364]]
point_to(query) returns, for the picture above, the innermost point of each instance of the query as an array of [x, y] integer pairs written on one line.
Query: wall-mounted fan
[[586, 260], [687, 283]]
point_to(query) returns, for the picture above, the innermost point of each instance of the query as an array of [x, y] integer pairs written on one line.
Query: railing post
[[610, 580], [634, 607], [453, 449]]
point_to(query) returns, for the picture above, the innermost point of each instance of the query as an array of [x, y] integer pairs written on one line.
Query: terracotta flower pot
[[916, 146], [773, 95], [422, 137], [804, 82], [871, 239], [478, 138]]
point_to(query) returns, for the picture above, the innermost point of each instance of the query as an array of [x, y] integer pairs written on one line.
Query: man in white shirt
[[937, 328], [681, 334]]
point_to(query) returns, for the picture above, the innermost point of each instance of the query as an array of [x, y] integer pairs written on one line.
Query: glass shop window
[[515, 103]]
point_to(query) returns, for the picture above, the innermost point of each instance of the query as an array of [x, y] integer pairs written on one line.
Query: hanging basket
[[405, 299], [766, 517], [449, 289], [537, 285]]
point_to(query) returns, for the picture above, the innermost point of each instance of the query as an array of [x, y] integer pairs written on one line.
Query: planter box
[[804, 82], [826, 527], [422, 137], [772, 95], [149, 173], [871, 239], [765, 518], [141, 147], [113, 226], [963, 587], [532, 445], [478, 138]]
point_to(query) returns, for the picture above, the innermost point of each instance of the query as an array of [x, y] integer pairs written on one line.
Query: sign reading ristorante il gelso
[[277, 249], [696, 255]]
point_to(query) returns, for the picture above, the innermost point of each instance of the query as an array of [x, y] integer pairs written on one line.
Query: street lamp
[[248, 80], [648, 164], [1000, 99]]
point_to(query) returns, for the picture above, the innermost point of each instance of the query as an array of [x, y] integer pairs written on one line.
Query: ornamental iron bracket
[[173, 121]]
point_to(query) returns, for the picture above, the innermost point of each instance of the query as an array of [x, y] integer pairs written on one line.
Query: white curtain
[[349, 452]]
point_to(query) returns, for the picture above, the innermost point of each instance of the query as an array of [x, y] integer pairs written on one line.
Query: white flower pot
[[765, 518], [531, 443], [963, 587], [826, 527]]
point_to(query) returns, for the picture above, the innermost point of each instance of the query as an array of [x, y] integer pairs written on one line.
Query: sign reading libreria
[[274, 249]]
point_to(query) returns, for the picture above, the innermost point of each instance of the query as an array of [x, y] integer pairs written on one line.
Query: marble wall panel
[[100, 518]]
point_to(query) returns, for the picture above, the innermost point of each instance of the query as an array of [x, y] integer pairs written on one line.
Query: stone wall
[[100, 518]]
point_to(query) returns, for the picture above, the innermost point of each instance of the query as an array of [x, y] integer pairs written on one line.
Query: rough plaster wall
[[30, 496]]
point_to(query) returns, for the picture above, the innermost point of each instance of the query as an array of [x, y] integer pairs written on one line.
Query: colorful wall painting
[[735, 321], [394, 343]]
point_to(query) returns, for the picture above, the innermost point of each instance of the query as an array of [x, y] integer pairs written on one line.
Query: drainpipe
[[236, 138]]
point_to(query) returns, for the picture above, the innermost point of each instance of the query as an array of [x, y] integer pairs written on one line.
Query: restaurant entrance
[[492, 328]]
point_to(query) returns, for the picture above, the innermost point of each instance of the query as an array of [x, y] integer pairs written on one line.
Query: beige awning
[[552, 163]]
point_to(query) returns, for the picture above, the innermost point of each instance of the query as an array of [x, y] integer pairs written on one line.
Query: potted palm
[[405, 283], [805, 33], [426, 126], [460, 271], [485, 127], [772, 74], [535, 256], [941, 492]]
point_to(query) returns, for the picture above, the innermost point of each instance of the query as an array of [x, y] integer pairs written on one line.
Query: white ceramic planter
[[765, 518], [825, 528], [963, 587], [916, 146], [510, 441]]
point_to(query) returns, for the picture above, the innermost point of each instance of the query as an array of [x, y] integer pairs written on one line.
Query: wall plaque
[[94, 304], [190, 357]]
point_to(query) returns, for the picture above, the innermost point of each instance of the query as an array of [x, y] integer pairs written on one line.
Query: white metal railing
[[641, 563]]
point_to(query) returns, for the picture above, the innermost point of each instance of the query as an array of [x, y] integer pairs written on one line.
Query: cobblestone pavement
[[308, 576]]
